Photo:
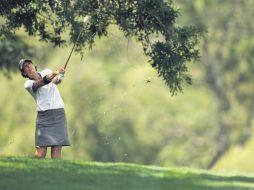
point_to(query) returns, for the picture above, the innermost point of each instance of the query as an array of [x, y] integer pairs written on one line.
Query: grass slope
[[18, 173]]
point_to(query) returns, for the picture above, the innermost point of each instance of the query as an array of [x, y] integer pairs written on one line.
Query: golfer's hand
[[61, 71]]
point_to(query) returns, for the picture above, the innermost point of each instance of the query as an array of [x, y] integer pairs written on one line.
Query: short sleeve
[[29, 86], [45, 72]]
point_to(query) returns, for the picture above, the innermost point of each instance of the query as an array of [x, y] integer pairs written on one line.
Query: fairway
[[20, 173]]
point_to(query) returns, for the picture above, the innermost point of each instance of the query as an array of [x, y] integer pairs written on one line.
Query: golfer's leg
[[56, 152], [40, 152]]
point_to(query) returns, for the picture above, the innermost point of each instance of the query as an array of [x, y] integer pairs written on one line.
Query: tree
[[10, 47], [152, 22], [227, 59]]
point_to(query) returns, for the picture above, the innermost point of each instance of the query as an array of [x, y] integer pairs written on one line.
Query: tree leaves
[[151, 22], [12, 47]]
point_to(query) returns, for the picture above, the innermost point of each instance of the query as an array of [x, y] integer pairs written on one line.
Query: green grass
[[32, 174]]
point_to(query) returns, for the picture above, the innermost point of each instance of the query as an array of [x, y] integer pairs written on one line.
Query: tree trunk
[[222, 105], [247, 132]]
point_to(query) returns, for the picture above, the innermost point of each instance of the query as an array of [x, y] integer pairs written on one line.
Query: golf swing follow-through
[[51, 125]]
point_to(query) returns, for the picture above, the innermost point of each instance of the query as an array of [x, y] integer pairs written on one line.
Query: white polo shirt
[[46, 97]]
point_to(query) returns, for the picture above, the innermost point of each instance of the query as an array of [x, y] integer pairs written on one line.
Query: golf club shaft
[[73, 49]]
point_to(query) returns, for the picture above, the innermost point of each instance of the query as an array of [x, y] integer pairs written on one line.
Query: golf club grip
[[65, 65]]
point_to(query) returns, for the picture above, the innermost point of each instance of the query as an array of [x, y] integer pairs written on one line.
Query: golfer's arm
[[39, 83], [51, 76]]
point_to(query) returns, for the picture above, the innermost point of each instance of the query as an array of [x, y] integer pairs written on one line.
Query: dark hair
[[23, 75]]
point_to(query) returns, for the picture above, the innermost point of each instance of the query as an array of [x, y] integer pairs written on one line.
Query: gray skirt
[[51, 128]]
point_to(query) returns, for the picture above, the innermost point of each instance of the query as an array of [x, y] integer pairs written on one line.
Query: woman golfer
[[51, 129]]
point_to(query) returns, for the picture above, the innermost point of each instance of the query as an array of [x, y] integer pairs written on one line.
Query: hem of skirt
[[53, 145]]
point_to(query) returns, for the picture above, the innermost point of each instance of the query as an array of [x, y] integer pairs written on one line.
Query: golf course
[[21, 173], [127, 95]]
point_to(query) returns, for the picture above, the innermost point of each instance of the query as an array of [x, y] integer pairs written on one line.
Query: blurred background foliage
[[120, 111]]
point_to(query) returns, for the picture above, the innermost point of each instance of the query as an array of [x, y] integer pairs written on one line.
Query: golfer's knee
[[40, 153]]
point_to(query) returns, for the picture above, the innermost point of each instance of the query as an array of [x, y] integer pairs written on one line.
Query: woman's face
[[29, 69]]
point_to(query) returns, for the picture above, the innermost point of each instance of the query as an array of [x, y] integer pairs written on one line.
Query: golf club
[[61, 76], [86, 18]]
